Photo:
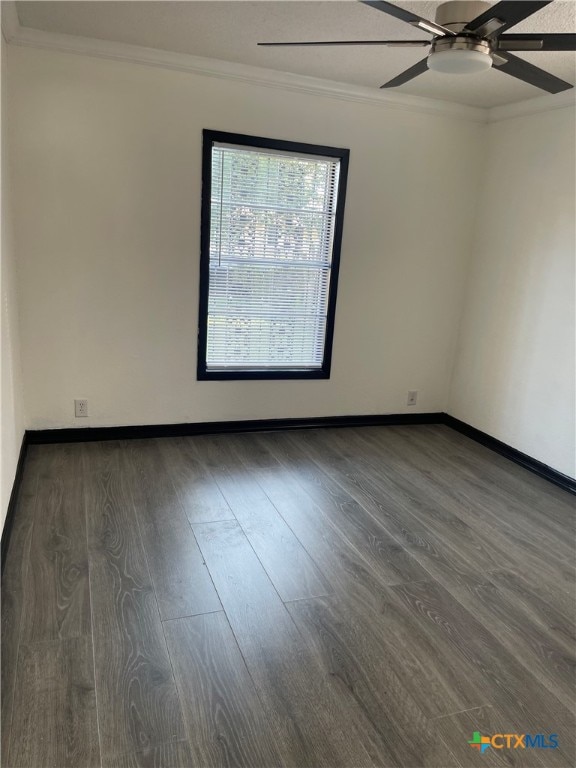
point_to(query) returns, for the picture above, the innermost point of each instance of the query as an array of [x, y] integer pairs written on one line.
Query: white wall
[[11, 408], [514, 375], [107, 200]]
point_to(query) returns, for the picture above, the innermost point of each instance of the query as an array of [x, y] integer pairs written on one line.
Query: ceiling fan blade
[[509, 12], [530, 74], [408, 74], [391, 43], [409, 17], [553, 42]]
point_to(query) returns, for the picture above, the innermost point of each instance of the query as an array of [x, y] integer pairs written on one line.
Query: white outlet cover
[[80, 408]]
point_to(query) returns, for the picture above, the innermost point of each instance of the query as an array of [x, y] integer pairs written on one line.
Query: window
[[271, 229]]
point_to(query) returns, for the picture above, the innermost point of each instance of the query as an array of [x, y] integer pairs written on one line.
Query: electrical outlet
[[412, 397], [80, 408]]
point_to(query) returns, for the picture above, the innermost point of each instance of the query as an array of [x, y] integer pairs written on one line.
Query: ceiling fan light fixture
[[460, 55], [459, 62]]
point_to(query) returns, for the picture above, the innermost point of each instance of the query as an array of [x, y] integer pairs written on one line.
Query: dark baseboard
[[552, 475], [10, 512], [87, 434]]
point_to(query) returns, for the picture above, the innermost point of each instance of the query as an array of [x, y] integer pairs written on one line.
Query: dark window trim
[[209, 137]]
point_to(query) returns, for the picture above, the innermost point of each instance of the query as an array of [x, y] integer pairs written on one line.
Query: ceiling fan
[[469, 37]]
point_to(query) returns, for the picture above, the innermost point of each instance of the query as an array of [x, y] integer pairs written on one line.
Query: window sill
[[262, 375]]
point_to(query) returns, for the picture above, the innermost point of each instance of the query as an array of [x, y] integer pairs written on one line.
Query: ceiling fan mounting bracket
[[456, 14]]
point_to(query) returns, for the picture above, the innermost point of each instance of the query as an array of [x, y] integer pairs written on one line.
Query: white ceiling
[[230, 31]]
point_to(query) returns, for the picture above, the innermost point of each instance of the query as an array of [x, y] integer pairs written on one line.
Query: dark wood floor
[[353, 597]]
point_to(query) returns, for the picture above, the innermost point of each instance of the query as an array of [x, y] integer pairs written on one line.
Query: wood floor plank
[[423, 661], [254, 454], [478, 488], [288, 565], [356, 530], [101, 456], [518, 545], [380, 493], [181, 580], [197, 490], [344, 566], [542, 654], [287, 677], [175, 754], [406, 486], [498, 675], [548, 513], [352, 654], [440, 688], [54, 721], [56, 592], [13, 581], [519, 484], [535, 601], [137, 699], [224, 718]]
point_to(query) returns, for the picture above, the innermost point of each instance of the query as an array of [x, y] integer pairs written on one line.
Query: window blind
[[272, 217]]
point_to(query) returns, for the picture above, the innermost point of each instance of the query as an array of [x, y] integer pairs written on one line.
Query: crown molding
[[15, 34], [182, 62], [546, 103]]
